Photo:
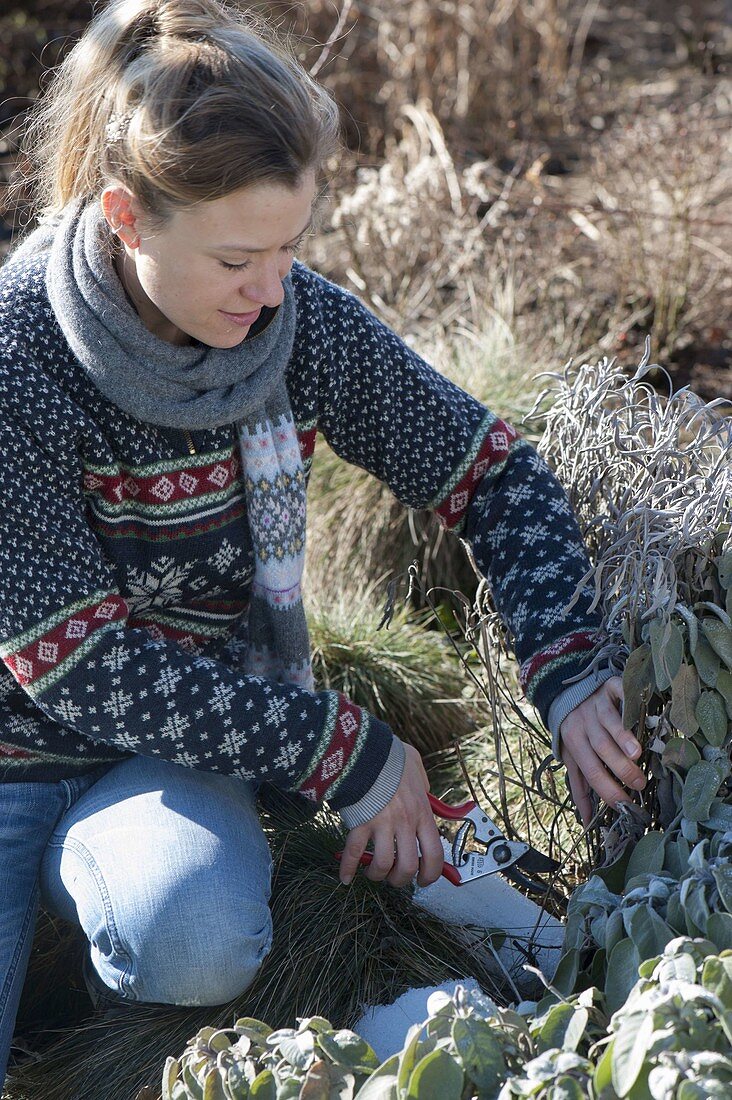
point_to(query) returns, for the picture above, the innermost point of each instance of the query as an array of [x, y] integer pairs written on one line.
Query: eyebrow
[[245, 248]]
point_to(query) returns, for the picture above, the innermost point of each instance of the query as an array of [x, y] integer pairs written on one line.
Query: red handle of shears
[[449, 872], [450, 813]]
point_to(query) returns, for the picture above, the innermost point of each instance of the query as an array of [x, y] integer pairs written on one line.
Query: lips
[[242, 319]]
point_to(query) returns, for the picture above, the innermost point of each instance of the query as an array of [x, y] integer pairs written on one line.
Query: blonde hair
[[179, 100]]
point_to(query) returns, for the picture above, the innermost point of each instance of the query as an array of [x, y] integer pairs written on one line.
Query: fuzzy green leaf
[[680, 753], [637, 684], [719, 637], [719, 930], [723, 877], [724, 569], [602, 1079], [622, 973], [299, 1051], [436, 1075], [717, 977], [684, 696], [649, 932], [707, 662], [213, 1088], [382, 1084], [724, 687], [700, 787], [264, 1086], [325, 1081], [647, 856], [349, 1050], [480, 1052], [170, 1076], [630, 1047], [711, 715], [667, 648]]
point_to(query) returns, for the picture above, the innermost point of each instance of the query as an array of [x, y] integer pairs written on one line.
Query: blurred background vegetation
[[541, 178]]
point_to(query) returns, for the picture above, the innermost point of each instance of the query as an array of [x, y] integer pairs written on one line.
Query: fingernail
[[639, 784], [346, 880], [632, 747]]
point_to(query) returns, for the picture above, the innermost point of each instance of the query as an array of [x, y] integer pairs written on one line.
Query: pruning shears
[[511, 857]]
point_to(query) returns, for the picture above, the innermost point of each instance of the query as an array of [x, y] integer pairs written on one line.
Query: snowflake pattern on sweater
[[127, 563]]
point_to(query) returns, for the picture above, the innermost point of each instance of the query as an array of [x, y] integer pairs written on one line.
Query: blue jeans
[[165, 868]]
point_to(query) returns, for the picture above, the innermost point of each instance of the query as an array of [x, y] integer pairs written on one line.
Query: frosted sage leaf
[[408, 1056], [717, 977], [724, 687], [299, 1050], [382, 1084], [630, 1047], [325, 1081], [667, 648], [349, 1050], [684, 697], [649, 932], [170, 1076], [255, 1030], [707, 662], [720, 639], [637, 684], [700, 787], [719, 930], [622, 973], [724, 569], [603, 1072], [723, 877], [647, 856], [213, 1088], [692, 624], [264, 1086], [680, 753], [436, 1075], [480, 1052], [711, 715]]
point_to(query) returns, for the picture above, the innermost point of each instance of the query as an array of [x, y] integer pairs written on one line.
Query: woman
[[165, 364]]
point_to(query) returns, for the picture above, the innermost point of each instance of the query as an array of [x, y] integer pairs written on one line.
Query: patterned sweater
[[126, 560]]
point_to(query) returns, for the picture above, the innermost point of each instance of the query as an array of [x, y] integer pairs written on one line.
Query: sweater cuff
[[381, 792], [570, 698]]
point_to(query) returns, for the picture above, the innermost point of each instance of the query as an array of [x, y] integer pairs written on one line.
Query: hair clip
[[117, 127]]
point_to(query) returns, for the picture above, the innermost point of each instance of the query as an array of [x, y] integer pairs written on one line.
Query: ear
[[120, 211]]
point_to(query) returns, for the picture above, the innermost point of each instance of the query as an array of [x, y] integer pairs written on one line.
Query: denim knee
[[214, 962]]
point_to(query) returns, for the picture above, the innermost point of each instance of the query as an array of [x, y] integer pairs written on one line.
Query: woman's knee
[[212, 963]]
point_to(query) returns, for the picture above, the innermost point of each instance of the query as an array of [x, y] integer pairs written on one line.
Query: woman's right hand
[[395, 831]]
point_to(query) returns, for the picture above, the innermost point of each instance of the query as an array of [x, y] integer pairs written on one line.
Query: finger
[[353, 849], [433, 856], [615, 759], [597, 774], [406, 864], [611, 719], [580, 789], [383, 859]]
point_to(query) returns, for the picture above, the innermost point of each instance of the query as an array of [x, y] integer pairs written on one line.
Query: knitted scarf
[[198, 387]]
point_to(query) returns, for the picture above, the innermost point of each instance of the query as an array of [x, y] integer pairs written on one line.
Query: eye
[[235, 267]]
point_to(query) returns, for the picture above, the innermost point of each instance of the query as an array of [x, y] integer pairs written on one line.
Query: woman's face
[[209, 271]]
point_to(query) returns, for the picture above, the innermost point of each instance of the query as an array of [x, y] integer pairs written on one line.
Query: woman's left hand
[[597, 750]]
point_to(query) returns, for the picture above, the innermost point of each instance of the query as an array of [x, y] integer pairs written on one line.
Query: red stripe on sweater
[[37, 659], [163, 488], [493, 449], [337, 753], [14, 751], [306, 439], [573, 643]]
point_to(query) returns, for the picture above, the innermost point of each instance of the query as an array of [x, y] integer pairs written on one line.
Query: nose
[[265, 287]]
